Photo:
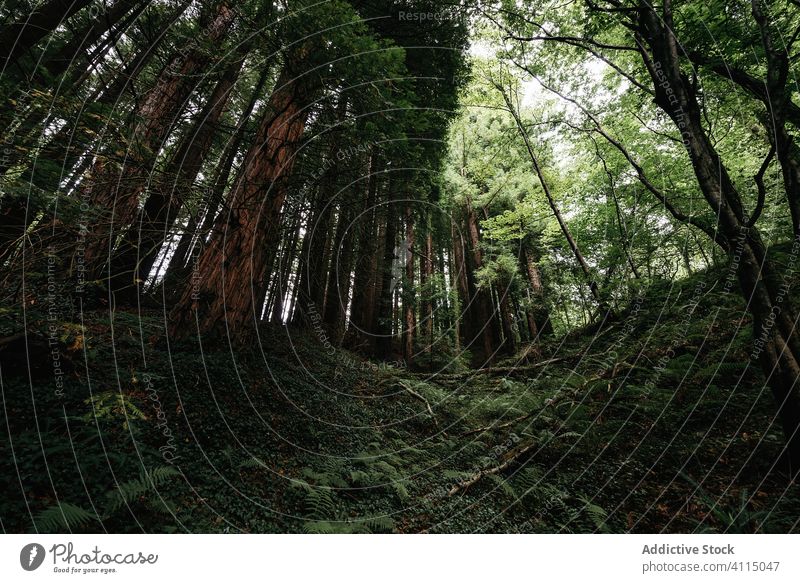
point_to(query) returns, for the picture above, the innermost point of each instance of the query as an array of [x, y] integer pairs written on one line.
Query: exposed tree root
[[511, 457], [492, 371], [559, 398], [416, 395]]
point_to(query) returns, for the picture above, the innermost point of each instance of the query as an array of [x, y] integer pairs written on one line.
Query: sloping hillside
[[658, 421]]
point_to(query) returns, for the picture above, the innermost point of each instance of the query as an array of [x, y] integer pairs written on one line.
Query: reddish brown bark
[[385, 304], [316, 258], [117, 190], [229, 275], [507, 320], [339, 281], [458, 269], [538, 314], [365, 285], [481, 298], [222, 173], [139, 248]]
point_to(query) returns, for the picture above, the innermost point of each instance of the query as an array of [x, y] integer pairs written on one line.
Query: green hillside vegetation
[[602, 434]]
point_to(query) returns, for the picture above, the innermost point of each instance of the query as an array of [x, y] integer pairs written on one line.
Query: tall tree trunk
[[463, 318], [361, 314], [230, 270], [118, 190], [507, 319], [283, 270], [339, 289], [541, 314], [624, 238], [221, 176], [314, 261], [314, 277], [385, 306], [139, 248], [409, 295], [481, 297], [426, 276]]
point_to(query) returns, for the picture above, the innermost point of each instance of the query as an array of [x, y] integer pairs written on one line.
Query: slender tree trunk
[[587, 273], [624, 238], [464, 318], [376, 279], [776, 343], [541, 312], [409, 296], [507, 319], [341, 265], [119, 190], [315, 260], [426, 276], [28, 122], [283, 271], [385, 306], [361, 315], [139, 248], [313, 290], [70, 55]]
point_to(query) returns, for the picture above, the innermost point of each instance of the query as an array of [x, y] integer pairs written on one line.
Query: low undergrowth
[[659, 421]]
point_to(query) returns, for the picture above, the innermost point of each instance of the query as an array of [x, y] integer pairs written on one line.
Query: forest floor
[[659, 422]]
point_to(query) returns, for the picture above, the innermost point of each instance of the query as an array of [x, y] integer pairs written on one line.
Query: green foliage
[[322, 488], [143, 489], [111, 406], [63, 516]]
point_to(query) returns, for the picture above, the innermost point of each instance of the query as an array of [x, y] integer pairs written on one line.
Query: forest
[[399, 266]]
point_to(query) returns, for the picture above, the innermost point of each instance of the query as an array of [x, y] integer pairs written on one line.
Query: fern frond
[[379, 524], [63, 516], [320, 504], [504, 485]]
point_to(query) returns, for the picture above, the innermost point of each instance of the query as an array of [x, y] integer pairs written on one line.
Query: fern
[[504, 485], [379, 524], [253, 462], [128, 493], [113, 404], [372, 524], [326, 527], [63, 516], [595, 513], [360, 478], [457, 475], [400, 488], [321, 527], [320, 503]]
